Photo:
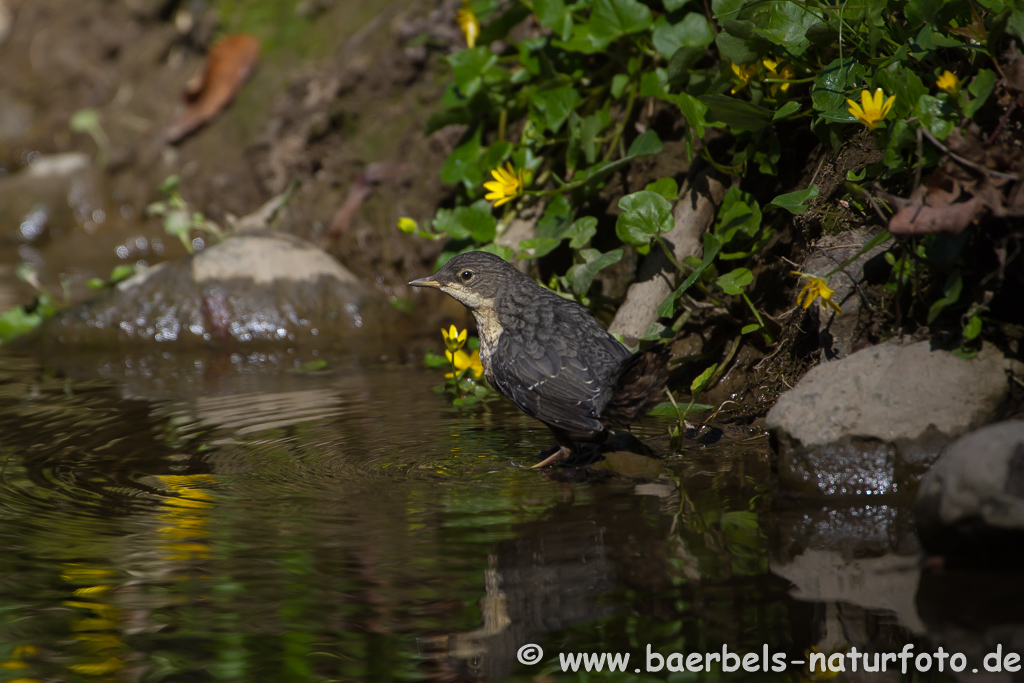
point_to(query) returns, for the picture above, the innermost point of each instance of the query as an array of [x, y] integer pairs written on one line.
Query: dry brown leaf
[[920, 219], [228, 65]]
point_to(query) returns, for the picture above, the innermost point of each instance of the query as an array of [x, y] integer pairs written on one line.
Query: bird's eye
[[466, 275]]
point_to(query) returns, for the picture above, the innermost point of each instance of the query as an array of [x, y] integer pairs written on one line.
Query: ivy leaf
[[692, 31], [462, 165], [794, 202], [788, 23], [469, 65], [666, 187], [582, 275], [648, 144], [581, 231], [833, 82], [734, 281], [610, 19], [556, 103], [646, 214], [981, 87]]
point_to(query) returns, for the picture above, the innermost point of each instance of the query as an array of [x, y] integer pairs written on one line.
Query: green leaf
[[590, 127], [692, 31], [666, 187], [739, 223], [647, 144], [469, 65], [794, 202], [645, 214], [552, 14], [981, 87], [973, 328], [582, 275], [700, 382], [936, 115], [581, 231], [556, 103], [712, 245], [610, 19], [788, 23], [16, 321], [753, 327], [673, 5], [463, 164], [737, 114], [694, 111], [734, 281], [666, 409], [555, 220], [619, 82], [833, 82], [787, 109], [539, 246], [950, 295]]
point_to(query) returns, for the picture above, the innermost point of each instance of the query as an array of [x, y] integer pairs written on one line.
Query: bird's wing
[[558, 374]]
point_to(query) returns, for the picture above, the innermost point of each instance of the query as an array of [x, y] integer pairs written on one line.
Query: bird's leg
[[565, 449]]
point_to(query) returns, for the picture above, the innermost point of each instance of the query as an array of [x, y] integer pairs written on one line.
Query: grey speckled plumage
[[547, 354]]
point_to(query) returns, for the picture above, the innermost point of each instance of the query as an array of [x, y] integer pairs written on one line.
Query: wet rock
[[971, 504], [874, 421], [253, 288]]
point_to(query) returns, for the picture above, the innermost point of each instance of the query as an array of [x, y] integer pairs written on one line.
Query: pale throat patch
[[487, 324]]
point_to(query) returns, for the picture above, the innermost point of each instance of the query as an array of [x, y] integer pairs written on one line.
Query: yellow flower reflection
[[872, 109], [743, 75], [469, 24], [774, 71], [453, 339], [507, 185], [462, 361], [816, 288], [949, 82]]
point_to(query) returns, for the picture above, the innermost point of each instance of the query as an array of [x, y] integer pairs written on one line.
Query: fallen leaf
[[228, 65], [920, 219]]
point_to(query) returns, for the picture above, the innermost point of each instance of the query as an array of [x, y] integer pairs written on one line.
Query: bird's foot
[[561, 454]]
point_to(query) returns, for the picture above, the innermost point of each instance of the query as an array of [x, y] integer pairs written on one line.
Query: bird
[[548, 355]]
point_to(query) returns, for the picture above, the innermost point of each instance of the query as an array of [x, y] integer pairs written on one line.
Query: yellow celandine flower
[[815, 288], [407, 225], [508, 184], [463, 360], [772, 66], [743, 74], [469, 24], [949, 82], [453, 339], [872, 109]]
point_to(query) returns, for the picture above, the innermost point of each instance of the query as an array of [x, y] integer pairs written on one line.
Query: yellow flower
[[407, 225], [743, 74], [469, 24], [816, 287], [507, 185], [949, 82], [453, 339], [774, 71], [873, 110], [463, 360]]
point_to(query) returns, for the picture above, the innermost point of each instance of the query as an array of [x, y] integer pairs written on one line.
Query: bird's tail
[[639, 385]]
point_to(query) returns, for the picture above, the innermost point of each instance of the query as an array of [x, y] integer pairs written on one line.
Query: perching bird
[[548, 355]]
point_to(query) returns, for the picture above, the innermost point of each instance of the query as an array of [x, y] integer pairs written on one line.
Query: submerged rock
[[251, 288], [877, 419], [971, 504]]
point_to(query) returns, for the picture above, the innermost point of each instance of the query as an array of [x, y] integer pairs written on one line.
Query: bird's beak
[[425, 282]]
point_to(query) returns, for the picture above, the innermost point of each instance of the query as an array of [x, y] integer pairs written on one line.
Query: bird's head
[[474, 278]]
